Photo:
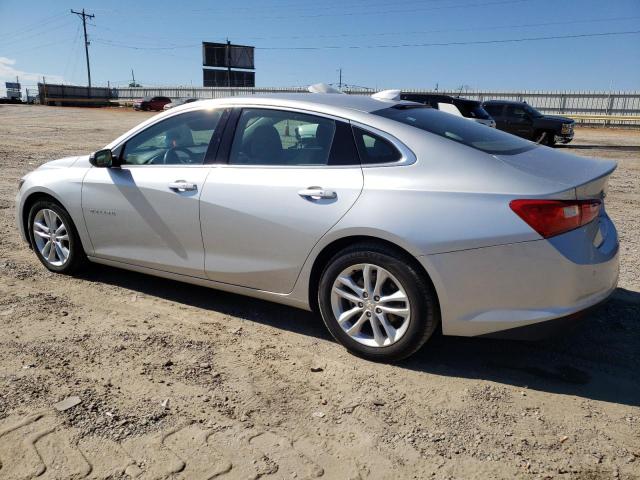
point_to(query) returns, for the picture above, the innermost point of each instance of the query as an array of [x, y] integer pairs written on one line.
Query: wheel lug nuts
[[378, 310], [365, 294], [376, 298], [360, 304], [368, 314]]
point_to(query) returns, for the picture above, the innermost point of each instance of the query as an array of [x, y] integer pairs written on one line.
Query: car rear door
[[146, 212], [285, 179], [519, 122]]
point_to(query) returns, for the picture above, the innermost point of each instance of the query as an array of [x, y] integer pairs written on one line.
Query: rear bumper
[[493, 289], [542, 330]]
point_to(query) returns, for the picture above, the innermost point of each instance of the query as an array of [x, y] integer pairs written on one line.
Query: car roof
[[505, 102], [313, 101]]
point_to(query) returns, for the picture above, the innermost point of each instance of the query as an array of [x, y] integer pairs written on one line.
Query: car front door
[[146, 211], [519, 121], [288, 178]]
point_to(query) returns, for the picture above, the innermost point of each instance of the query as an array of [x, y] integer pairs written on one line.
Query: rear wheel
[[54, 237], [376, 304]]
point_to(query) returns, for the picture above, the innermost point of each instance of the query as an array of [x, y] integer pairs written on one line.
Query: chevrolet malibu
[[391, 219]]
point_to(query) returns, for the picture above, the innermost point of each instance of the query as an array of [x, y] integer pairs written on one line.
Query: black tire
[[423, 302], [77, 258]]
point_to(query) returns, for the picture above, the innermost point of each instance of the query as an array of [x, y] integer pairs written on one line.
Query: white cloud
[[8, 73]]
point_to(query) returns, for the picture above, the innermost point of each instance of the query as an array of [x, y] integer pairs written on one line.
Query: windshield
[[532, 111], [457, 129]]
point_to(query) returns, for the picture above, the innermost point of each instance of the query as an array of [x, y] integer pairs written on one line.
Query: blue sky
[[161, 40]]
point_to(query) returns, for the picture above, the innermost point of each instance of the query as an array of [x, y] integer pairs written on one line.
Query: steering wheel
[[171, 157]]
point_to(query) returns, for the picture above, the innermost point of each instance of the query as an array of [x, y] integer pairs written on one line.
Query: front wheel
[[54, 237], [547, 138], [375, 303]]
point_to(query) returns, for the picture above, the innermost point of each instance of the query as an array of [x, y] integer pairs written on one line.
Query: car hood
[[558, 118], [551, 164], [60, 163]]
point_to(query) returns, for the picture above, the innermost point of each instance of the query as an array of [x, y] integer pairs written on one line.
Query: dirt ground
[[177, 381]]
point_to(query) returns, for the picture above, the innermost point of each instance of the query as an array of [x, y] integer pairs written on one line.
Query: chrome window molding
[[173, 114]]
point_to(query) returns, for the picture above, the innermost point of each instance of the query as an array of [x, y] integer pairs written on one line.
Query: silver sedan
[[389, 218]]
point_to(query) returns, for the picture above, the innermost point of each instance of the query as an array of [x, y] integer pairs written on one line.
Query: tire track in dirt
[[39, 446]]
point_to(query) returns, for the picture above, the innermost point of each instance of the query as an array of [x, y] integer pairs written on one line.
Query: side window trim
[[224, 149], [216, 139], [407, 157], [120, 147]]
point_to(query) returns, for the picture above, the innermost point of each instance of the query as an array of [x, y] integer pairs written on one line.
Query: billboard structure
[[227, 65], [13, 90]]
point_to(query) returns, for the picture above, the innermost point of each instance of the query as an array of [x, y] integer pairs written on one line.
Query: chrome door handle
[[183, 186], [316, 193]]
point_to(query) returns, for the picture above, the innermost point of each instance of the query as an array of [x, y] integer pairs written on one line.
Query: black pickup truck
[[520, 118]]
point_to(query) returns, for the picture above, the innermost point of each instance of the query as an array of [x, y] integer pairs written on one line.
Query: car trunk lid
[[587, 177]]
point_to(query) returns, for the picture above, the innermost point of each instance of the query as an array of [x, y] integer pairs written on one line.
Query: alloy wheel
[[370, 305], [51, 237]]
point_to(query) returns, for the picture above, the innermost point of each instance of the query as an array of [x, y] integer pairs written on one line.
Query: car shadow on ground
[[598, 359], [617, 148]]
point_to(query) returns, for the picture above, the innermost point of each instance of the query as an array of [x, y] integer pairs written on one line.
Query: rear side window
[[374, 149], [493, 110], [516, 111], [457, 129], [282, 138]]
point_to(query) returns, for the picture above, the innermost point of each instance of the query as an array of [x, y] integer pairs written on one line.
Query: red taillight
[[553, 217]]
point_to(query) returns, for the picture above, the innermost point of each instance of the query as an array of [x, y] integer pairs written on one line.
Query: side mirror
[[101, 158]]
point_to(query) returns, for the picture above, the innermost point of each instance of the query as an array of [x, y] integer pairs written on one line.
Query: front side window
[[532, 111], [278, 137], [181, 139], [457, 129]]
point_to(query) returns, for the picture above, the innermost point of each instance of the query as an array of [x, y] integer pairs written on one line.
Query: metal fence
[[581, 105]]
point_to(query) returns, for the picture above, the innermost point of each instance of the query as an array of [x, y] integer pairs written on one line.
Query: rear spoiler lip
[[602, 193]]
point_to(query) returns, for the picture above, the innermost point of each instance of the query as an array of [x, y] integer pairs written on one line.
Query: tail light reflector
[[553, 217]]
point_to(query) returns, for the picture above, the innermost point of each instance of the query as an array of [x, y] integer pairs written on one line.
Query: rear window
[[472, 109], [493, 109], [457, 129]]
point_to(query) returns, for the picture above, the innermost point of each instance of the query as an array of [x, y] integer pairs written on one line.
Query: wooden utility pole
[[84, 17]]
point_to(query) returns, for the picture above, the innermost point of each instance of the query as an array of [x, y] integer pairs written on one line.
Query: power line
[[403, 11], [341, 4], [30, 35], [33, 26], [73, 57], [380, 34], [447, 44], [401, 45], [444, 30]]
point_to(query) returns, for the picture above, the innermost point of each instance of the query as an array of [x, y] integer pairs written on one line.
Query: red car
[[151, 103]]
